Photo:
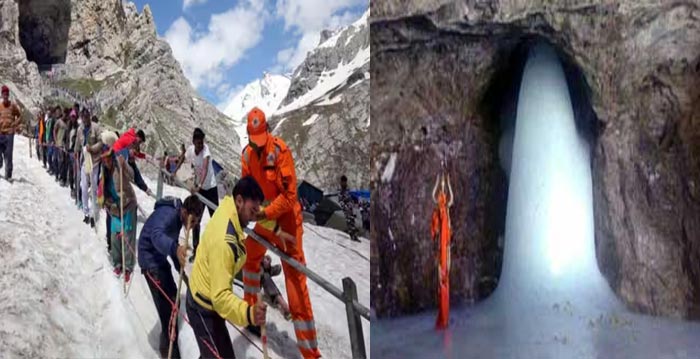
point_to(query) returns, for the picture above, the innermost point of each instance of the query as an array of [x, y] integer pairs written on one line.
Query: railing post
[[357, 339], [159, 187]]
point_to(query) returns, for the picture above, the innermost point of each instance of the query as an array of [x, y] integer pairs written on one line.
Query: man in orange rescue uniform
[[269, 161], [440, 230]]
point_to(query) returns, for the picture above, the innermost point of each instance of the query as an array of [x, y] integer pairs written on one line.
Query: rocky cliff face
[[439, 70], [113, 56], [325, 116]]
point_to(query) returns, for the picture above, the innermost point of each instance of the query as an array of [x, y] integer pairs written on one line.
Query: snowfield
[[59, 298]]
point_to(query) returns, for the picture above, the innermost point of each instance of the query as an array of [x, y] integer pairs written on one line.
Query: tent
[[325, 209], [309, 195]]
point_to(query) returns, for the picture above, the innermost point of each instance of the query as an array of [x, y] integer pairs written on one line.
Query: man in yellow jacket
[[221, 254]]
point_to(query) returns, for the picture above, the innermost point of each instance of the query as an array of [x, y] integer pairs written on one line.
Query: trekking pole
[[263, 333], [121, 211], [173, 321]]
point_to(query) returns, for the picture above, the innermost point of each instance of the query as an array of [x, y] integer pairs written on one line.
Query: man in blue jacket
[[159, 240]]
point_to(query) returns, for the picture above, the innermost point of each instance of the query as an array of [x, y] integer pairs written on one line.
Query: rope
[[121, 209], [179, 287], [176, 311], [162, 291]]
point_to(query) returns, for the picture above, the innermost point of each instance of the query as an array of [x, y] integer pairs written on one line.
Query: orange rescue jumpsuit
[[440, 230], [274, 171]]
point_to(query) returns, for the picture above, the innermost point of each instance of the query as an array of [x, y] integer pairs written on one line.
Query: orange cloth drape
[[440, 230]]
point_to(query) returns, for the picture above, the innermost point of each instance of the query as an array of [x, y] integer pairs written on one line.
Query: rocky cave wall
[[43, 29], [433, 65]]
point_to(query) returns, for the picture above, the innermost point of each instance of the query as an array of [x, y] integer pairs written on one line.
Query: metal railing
[[355, 311]]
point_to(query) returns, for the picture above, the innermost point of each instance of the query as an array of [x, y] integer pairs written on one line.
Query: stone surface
[[438, 69]]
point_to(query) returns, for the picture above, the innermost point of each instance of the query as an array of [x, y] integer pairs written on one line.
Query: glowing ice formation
[[549, 221]]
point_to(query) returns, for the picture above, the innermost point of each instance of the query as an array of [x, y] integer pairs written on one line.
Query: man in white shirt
[[204, 179]]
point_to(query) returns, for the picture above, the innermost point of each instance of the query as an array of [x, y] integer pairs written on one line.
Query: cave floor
[[555, 330]]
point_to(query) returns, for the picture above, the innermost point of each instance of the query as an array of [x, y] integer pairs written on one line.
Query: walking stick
[[263, 333], [121, 211], [173, 321]]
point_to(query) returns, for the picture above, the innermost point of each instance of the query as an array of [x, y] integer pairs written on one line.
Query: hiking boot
[[92, 222], [127, 276], [117, 271], [86, 219], [355, 239], [254, 329]]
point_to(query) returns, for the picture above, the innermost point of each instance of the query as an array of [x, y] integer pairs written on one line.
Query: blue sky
[[223, 45]]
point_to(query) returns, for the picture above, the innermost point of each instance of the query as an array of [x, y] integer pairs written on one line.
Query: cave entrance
[[540, 101], [43, 30]]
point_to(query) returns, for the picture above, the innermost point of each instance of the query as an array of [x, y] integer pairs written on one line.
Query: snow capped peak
[[362, 21], [329, 65], [334, 35], [266, 93]]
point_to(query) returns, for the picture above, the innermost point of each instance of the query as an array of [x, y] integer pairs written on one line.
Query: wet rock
[[433, 63]]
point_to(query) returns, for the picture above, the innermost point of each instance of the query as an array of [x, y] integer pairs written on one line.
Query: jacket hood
[[168, 201]]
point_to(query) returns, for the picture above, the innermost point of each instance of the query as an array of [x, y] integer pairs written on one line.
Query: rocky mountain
[[325, 114], [266, 93], [637, 64], [111, 54]]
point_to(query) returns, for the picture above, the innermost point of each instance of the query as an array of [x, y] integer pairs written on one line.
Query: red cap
[[257, 127], [5, 89]]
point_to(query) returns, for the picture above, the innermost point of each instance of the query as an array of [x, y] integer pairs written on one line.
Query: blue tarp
[[361, 193], [217, 167]]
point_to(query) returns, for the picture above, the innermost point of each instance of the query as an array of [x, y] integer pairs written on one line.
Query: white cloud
[[206, 55], [306, 19], [309, 15], [188, 3], [228, 96]]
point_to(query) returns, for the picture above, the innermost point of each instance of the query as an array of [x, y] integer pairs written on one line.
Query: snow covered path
[[59, 297]]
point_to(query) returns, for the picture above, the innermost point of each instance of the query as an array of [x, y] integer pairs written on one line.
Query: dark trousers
[[43, 155], [7, 143], [163, 278], [109, 231], [70, 167], [52, 160], [63, 175], [213, 196], [208, 325]]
